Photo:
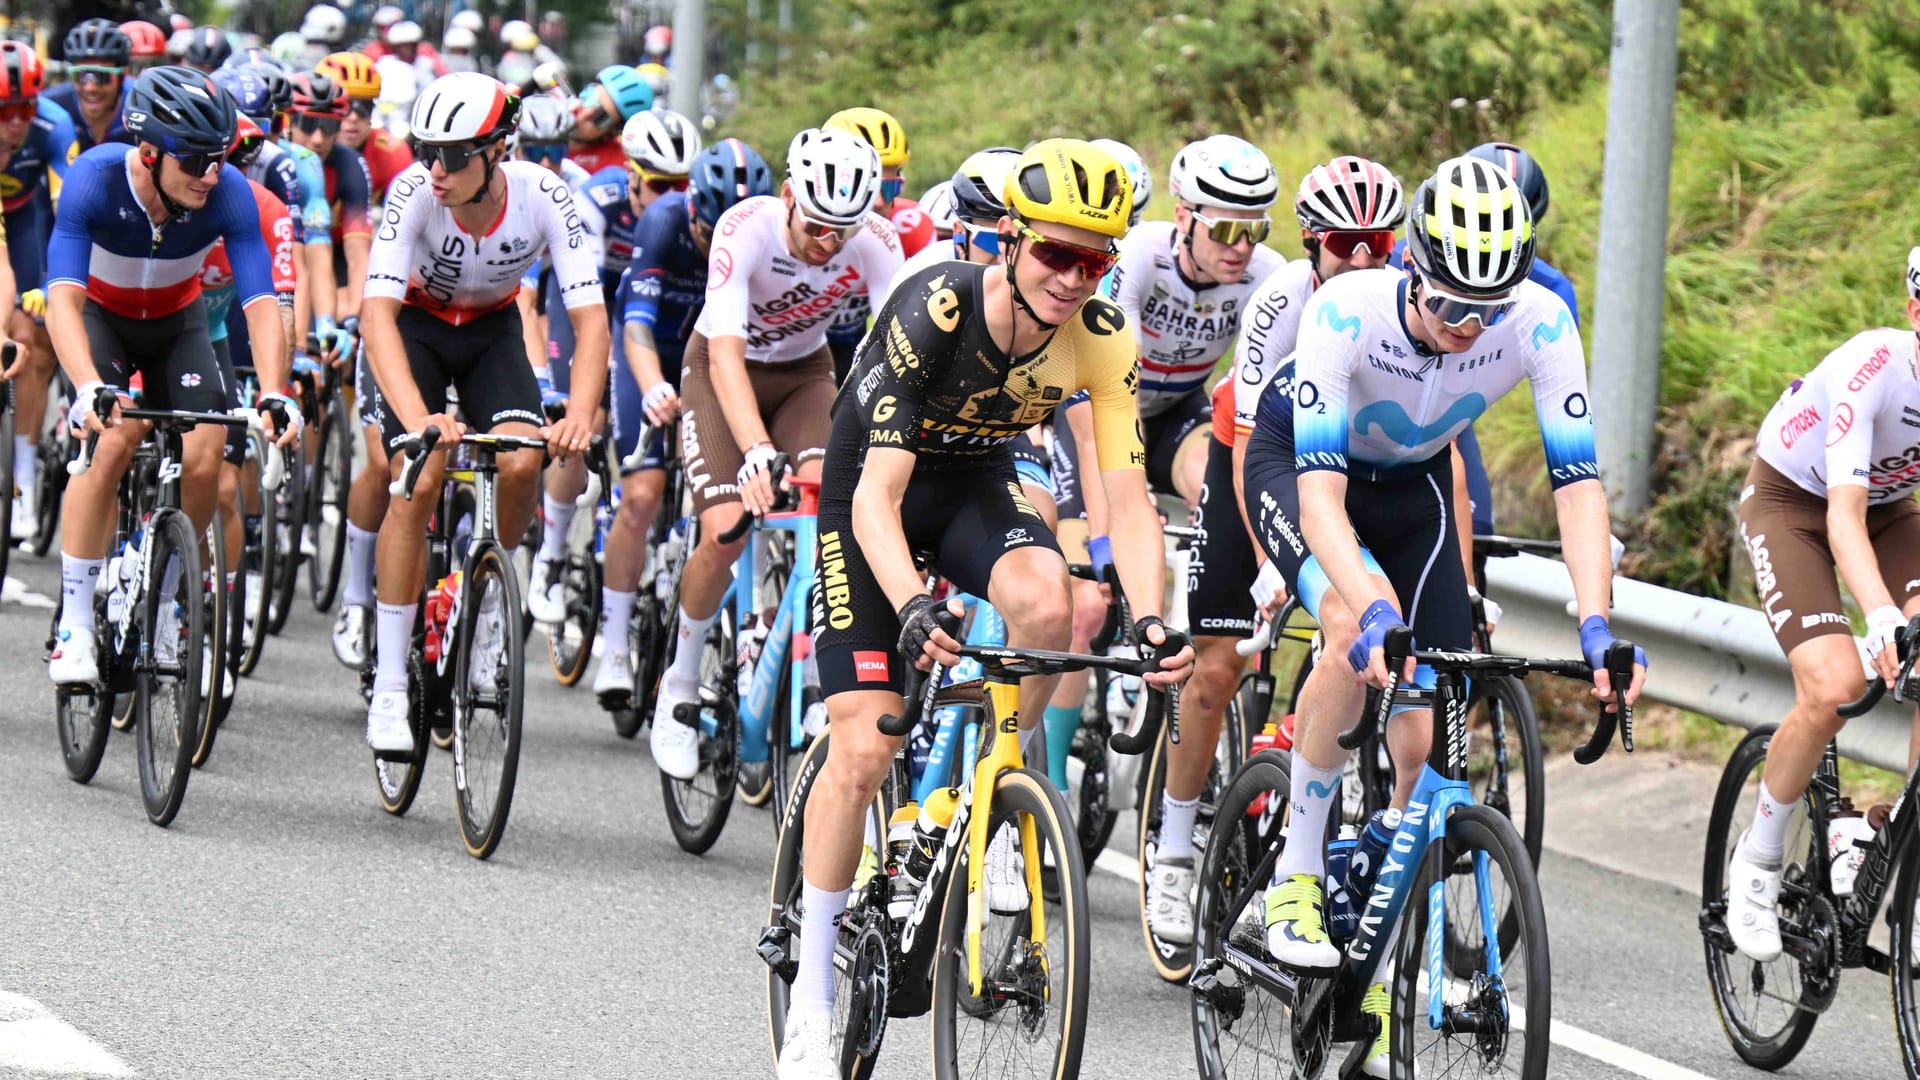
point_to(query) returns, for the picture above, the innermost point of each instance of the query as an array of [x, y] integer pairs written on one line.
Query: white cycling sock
[[685, 670], [77, 580], [26, 461], [616, 615], [392, 637], [1767, 836], [1314, 790], [819, 928], [358, 590], [558, 514], [1176, 827]]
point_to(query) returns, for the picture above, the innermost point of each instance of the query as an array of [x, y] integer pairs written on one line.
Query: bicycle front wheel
[[1904, 951], [1494, 1012], [487, 698], [697, 809], [81, 715], [215, 703], [1241, 1031], [326, 516], [290, 509], [168, 707], [56, 449], [1030, 1017], [570, 645], [260, 563]]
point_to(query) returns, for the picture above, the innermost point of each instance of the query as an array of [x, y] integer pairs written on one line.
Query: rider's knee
[[1822, 691], [1035, 605], [520, 467], [861, 760], [1338, 628], [1089, 612]]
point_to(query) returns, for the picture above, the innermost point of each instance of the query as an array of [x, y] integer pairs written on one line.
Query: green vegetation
[[1793, 203]]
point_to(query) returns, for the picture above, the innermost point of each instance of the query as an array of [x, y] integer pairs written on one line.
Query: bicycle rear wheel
[[697, 809], [647, 642], [397, 782], [258, 567], [1904, 951], [1767, 1010], [216, 702], [6, 471], [487, 698], [570, 645], [290, 509], [1495, 1017], [326, 516], [173, 621], [81, 715]]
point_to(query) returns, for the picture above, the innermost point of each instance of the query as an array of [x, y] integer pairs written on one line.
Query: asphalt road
[[285, 926]]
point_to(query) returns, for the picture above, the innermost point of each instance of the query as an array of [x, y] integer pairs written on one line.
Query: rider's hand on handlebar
[[1595, 637], [922, 640], [282, 417], [661, 404], [1269, 589], [1883, 636], [450, 428], [83, 418], [568, 435], [756, 478], [1175, 669], [1368, 656]]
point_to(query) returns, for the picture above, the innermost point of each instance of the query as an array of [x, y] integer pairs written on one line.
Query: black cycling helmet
[[98, 41], [1524, 170], [724, 174], [181, 111], [209, 47], [279, 87]]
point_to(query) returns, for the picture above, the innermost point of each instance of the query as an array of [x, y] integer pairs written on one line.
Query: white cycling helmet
[[1913, 273], [459, 37], [406, 32], [835, 176], [288, 47], [938, 204], [1349, 193], [465, 106], [386, 15], [1225, 172], [324, 22], [1470, 230], [661, 142], [545, 120], [551, 77], [468, 19], [1138, 175], [177, 43], [512, 29]]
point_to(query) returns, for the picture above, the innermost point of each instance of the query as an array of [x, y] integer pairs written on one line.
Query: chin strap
[[486, 180], [173, 209], [1020, 300]]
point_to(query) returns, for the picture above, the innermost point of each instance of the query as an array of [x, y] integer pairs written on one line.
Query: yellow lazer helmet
[[1070, 182], [354, 72], [879, 129]]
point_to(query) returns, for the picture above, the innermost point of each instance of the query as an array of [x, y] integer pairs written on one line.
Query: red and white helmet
[[1350, 193], [465, 106]]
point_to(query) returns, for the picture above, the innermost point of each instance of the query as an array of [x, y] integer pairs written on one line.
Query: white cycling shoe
[[1006, 873], [387, 727], [73, 661], [1170, 900], [808, 1052], [614, 679], [350, 628], [675, 746], [1753, 888], [545, 600]]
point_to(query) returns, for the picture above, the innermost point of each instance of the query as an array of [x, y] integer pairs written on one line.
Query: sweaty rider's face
[[1448, 339], [1330, 266], [1053, 292]]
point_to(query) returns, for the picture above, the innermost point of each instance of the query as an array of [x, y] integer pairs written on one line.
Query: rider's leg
[[366, 509], [626, 547], [1203, 704], [29, 400]]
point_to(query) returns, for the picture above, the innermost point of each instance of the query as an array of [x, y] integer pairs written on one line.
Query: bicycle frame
[[756, 712], [988, 628], [1856, 912]]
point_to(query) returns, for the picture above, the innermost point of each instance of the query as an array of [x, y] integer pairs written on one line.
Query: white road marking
[[32, 1039], [1565, 1035], [16, 591]]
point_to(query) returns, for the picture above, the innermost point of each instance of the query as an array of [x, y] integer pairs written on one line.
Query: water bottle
[[1269, 737], [1849, 835], [1341, 915], [750, 642], [1362, 866], [929, 834], [899, 853]]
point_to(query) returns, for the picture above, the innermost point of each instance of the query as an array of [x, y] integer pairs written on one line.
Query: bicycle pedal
[[776, 950], [616, 700], [397, 757], [687, 713]]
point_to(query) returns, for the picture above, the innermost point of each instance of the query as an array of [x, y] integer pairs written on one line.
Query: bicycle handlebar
[[783, 499], [1163, 706], [1902, 683], [1619, 659], [423, 445]]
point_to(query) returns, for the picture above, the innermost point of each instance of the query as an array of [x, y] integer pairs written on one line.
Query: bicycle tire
[[217, 702], [82, 719], [56, 449], [647, 640], [1024, 794], [6, 470], [1903, 953], [570, 645], [1727, 973], [395, 783], [697, 811], [1253, 801], [484, 806], [290, 508], [327, 516], [1507, 699], [788, 857], [169, 707], [257, 610], [1171, 961], [1471, 832], [1094, 817]]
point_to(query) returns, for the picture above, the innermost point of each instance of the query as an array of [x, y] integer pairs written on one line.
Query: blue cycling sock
[[1061, 722]]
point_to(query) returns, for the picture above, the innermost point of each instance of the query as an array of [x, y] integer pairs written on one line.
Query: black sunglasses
[[200, 164], [309, 123], [452, 156]]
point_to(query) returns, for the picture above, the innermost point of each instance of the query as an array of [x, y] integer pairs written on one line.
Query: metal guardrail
[[1707, 656]]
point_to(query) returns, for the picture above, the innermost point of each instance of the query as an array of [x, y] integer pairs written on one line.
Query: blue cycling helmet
[[630, 92], [181, 111], [98, 41], [279, 90], [249, 91], [724, 174], [1524, 170]]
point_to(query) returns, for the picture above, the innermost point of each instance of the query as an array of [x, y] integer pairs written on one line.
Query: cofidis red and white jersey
[[422, 257], [782, 305], [1268, 331], [1853, 420], [1181, 327]]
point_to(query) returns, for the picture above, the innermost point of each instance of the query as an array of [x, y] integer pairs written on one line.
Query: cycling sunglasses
[[452, 156], [1060, 256], [1344, 244], [543, 152], [361, 109], [95, 74], [19, 110], [659, 183], [823, 231], [1457, 311], [986, 239], [200, 164], [891, 187], [309, 123], [1231, 231]]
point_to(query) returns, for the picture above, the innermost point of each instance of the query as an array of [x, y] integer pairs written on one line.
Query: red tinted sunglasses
[[19, 110], [1343, 245], [1060, 256]]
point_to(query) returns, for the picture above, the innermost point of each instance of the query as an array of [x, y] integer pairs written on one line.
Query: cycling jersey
[[1182, 327], [596, 156], [1366, 393], [216, 276], [911, 224], [316, 214], [939, 252], [667, 278], [40, 161], [1268, 332], [914, 229], [420, 256], [386, 158], [603, 205], [1852, 420], [66, 96], [275, 170], [104, 242], [931, 380], [349, 192], [759, 290]]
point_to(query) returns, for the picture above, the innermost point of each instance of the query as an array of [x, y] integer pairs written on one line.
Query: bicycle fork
[[1003, 698]]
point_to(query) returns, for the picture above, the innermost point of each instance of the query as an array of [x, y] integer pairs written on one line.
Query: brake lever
[[1399, 646]]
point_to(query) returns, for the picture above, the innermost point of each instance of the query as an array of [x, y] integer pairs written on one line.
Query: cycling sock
[[1061, 723], [77, 579], [559, 518], [685, 670], [392, 638], [1314, 790], [819, 930], [1767, 836], [358, 590], [1176, 827], [616, 613], [26, 461]]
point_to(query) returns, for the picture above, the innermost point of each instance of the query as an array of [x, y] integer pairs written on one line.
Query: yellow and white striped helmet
[[1470, 230]]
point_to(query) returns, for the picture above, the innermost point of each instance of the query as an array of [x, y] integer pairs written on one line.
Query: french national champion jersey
[[1180, 328], [1363, 391], [422, 257], [758, 290], [104, 242], [602, 202], [1853, 420]]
